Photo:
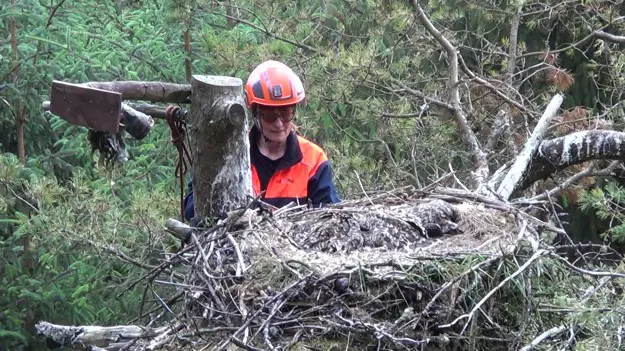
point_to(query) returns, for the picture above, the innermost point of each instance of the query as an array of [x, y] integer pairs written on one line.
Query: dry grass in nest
[[484, 231]]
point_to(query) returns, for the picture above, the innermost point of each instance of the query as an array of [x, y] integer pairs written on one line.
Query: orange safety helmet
[[273, 83]]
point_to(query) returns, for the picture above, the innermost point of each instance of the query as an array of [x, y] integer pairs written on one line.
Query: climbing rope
[[178, 133]]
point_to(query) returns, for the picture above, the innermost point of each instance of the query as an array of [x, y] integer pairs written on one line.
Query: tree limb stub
[[515, 173], [557, 154], [219, 140], [147, 91]]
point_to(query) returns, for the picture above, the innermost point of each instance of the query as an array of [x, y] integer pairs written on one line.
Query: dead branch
[[620, 39], [469, 315], [590, 171], [517, 170], [179, 230], [88, 336], [595, 34], [147, 90], [153, 111], [544, 336], [479, 157], [144, 90], [268, 32]]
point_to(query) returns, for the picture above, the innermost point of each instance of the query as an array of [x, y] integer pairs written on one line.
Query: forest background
[[377, 84]]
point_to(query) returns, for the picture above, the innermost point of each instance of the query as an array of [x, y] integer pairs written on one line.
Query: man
[[285, 166]]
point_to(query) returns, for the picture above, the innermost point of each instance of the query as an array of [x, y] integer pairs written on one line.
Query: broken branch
[[517, 170]]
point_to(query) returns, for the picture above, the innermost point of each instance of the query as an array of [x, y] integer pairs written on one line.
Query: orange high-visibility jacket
[[303, 175]]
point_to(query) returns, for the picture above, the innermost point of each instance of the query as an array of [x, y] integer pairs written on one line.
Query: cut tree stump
[[222, 178]]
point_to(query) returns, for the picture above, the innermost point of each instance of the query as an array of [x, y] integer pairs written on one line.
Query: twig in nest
[[260, 309], [446, 286], [242, 345], [240, 263], [435, 183], [362, 187], [587, 272], [542, 337], [456, 178], [379, 332], [469, 315]]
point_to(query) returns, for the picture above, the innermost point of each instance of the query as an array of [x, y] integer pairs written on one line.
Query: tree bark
[[148, 91], [557, 154], [94, 337], [219, 141]]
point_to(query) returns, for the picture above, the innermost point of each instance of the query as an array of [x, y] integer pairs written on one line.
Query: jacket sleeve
[[321, 189], [189, 208]]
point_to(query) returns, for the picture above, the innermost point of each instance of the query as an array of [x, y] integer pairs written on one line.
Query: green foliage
[[609, 204], [67, 275], [356, 111]]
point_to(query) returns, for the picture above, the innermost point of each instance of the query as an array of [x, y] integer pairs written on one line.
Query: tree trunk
[[222, 179], [557, 154], [187, 49], [19, 112]]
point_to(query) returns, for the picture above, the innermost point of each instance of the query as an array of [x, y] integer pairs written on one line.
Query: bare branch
[[469, 315], [490, 86], [420, 95], [620, 39], [53, 11], [479, 157], [267, 32], [515, 173], [546, 335], [590, 171], [599, 33]]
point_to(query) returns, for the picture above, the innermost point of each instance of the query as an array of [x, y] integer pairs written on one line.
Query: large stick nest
[[442, 269], [381, 271]]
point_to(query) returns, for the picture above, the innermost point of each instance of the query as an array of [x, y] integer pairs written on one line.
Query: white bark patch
[[576, 139]]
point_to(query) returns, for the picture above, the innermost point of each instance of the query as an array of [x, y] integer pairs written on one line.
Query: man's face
[[276, 122]]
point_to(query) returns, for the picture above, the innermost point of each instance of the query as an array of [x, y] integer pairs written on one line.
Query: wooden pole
[[219, 142]]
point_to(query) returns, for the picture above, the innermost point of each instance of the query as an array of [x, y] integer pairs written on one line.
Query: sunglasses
[[270, 116]]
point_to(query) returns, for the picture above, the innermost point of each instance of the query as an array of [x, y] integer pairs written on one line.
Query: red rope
[[178, 133]]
